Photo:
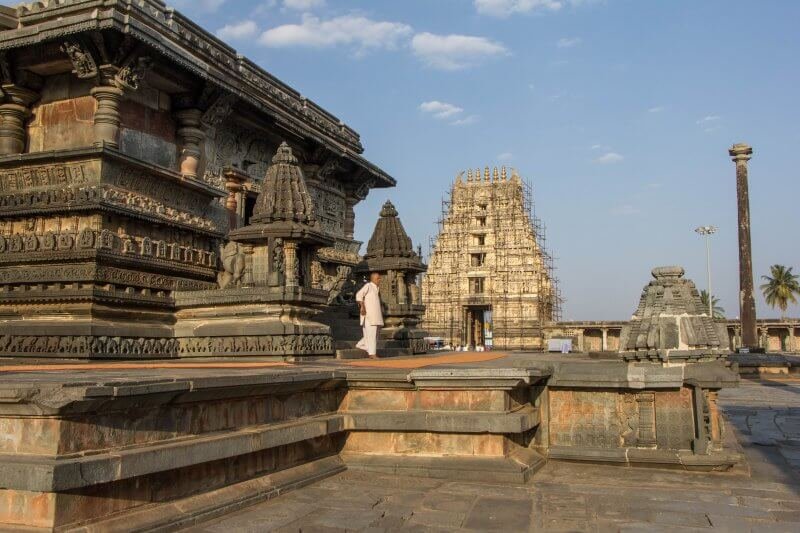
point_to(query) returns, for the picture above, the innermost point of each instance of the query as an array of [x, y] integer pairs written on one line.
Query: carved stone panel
[[674, 419]]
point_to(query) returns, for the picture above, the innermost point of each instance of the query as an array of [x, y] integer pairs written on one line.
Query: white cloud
[[609, 158], [208, 6], [656, 109], [505, 156], [466, 121], [454, 52], [446, 111], [506, 8], [568, 42], [625, 210], [708, 118], [709, 123], [440, 110], [241, 30], [303, 5], [349, 30]]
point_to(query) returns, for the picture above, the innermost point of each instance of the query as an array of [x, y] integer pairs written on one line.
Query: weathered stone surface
[[671, 323], [568, 496]]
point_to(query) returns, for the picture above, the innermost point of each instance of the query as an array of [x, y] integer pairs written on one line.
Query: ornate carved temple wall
[[131, 142], [490, 277]]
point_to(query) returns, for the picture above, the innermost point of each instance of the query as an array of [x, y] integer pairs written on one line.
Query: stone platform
[[571, 497], [162, 445]]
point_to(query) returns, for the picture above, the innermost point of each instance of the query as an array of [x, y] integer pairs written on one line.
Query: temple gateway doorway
[[478, 326]]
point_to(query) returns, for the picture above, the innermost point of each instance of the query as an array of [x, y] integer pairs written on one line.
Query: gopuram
[[162, 197], [490, 279], [131, 143]]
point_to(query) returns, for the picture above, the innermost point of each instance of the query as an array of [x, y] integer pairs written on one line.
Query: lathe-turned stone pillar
[[13, 114], [106, 116], [190, 138]]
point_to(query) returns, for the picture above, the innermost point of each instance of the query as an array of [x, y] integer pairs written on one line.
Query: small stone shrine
[[272, 283], [671, 324], [391, 253]]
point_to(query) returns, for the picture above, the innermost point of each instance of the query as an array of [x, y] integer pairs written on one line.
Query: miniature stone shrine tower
[[272, 282], [490, 278], [671, 324], [391, 253]]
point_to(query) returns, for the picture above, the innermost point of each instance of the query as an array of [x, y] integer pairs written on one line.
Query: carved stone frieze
[[231, 145], [85, 345], [53, 245], [329, 208], [314, 344], [335, 255], [31, 177]]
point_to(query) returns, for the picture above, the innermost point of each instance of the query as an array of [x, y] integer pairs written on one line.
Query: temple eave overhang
[[183, 42], [382, 264], [284, 230]]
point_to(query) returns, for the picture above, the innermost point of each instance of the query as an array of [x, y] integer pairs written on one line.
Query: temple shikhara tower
[[490, 280]]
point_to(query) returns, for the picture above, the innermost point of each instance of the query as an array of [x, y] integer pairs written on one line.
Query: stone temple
[[132, 143], [490, 278], [177, 265]]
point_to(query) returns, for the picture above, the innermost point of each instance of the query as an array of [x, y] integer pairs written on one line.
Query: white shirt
[[370, 295]]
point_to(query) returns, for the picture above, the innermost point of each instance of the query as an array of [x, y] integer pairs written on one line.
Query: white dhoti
[[369, 340], [371, 318]]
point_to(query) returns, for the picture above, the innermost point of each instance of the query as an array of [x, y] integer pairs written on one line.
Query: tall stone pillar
[[190, 137], [107, 117], [741, 154], [605, 340], [13, 115]]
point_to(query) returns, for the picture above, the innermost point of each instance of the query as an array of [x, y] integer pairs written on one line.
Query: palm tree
[[780, 288], [719, 312]]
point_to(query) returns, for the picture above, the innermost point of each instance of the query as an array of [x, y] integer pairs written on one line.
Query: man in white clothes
[[369, 303]]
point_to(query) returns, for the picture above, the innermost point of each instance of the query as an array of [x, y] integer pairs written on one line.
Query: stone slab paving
[[571, 496]]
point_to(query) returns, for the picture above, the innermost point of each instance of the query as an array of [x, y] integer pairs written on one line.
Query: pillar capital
[[741, 152], [16, 94]]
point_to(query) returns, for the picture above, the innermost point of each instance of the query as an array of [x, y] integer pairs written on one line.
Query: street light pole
[[708, 231]]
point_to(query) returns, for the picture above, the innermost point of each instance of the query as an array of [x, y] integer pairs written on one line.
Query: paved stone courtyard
[[570, 496]]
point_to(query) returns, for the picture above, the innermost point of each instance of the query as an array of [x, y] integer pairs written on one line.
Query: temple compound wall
[[131, 143], [490, 280], [774, 335]]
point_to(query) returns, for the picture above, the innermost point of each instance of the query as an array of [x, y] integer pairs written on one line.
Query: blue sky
[[619, 112]]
